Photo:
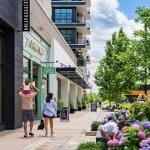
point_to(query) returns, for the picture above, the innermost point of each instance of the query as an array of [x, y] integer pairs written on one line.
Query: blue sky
[[107, 16], [129, 6]]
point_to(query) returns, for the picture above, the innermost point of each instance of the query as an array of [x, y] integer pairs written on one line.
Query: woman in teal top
[[49, 112]]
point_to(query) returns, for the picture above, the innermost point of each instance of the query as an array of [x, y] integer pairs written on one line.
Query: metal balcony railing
[[81, 40], [66, 20], [78, 41]]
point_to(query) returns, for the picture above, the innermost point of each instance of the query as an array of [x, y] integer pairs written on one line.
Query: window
[[26, 68], [63, 15], [69, 35]]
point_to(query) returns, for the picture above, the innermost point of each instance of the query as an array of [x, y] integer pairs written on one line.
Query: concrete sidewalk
[[67, 134]]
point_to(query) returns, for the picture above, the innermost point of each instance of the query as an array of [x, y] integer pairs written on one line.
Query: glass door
[[35, 80]]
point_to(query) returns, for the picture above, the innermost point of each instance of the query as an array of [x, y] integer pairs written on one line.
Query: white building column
[[73, 95], [53, 85], [65, 88], [80, 93]]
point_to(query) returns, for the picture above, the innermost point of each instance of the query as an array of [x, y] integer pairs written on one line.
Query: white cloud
[[106, 19]]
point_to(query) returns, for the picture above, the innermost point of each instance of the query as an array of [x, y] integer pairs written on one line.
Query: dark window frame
[[69, 35], [62, 14]]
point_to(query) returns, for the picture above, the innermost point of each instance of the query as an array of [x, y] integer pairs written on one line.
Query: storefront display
[[36, 52]]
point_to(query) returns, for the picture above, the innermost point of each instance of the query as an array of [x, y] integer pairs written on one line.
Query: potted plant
[[71, 106], [83, 104], [95, 125], [79, 105], [60, 104]]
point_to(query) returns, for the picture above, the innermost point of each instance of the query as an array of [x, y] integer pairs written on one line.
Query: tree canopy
[[120, 69]]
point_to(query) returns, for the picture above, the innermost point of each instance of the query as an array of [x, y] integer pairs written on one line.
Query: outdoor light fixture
[[43, 86]]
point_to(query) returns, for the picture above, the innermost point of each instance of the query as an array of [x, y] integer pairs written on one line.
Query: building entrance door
[[35, 79], [1, 72]]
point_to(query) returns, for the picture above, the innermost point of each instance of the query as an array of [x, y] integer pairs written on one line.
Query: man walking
[[27, 93]]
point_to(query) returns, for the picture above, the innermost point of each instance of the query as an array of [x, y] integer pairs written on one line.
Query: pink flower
[[124, 128], [122, 140], [110, 143], [113, 143], [141, 134], [136, 126]]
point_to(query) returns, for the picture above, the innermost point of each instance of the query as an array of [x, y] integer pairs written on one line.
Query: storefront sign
[[36, 48], [26, 15], [49, 70], [94, 106], [64, 114]]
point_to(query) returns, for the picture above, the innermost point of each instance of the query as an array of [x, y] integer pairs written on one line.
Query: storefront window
[[44, 86], [26, 68]]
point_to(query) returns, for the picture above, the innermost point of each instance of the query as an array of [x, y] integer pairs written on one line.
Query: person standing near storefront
[[49, 112], [27, 93]]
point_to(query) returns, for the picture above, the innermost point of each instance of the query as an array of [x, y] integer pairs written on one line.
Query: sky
[[107, 16]]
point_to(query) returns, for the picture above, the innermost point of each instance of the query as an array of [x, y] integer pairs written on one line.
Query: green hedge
[[141, 111], [90, 146], [95, 125], [127, 105]]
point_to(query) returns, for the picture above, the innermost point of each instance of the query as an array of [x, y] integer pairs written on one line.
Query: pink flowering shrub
[[136, 126], [141, 134]]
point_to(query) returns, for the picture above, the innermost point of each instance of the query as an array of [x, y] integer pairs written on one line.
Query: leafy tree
[[117, 71], [143, 43]]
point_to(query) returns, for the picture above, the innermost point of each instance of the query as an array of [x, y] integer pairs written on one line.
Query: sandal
[[31, 134], [25, 136]]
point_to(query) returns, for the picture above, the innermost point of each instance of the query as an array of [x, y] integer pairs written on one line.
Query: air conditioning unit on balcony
[[88, 74], [87, 41], [87, 58]]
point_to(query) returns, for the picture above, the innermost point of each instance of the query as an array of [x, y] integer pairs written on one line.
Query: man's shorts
[[27, 115]]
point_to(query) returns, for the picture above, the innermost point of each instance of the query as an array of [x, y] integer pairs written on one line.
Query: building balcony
[[88, 74], [88, 28], [65, 22], [81, 43], [71, 2], [88, 14], [80, 26], [81, 62], [88, 59]]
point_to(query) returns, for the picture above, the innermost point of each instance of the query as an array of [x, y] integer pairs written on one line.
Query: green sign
[[49, 70]]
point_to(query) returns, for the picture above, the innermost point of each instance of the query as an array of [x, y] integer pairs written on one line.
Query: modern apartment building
[[71, 18]]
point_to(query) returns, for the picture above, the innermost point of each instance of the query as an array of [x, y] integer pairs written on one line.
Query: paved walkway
[[67, 134]]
